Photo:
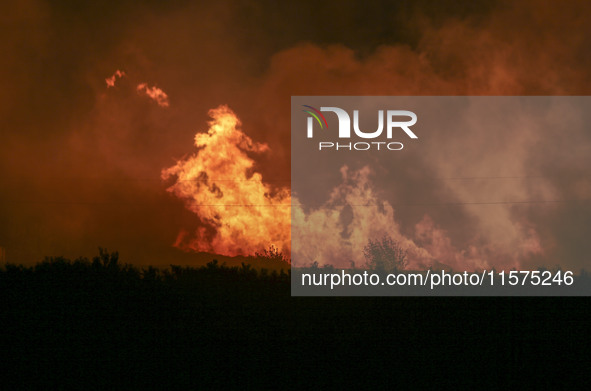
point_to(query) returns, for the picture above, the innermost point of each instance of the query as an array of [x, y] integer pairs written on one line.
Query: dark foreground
[[98, 324]]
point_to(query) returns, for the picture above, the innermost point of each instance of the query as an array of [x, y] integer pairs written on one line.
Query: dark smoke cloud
[[80, 163]]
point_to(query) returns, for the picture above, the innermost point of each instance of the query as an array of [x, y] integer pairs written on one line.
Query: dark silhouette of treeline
[[101, 323]]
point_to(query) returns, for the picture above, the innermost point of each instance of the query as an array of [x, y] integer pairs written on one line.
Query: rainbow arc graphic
[[316, 113]]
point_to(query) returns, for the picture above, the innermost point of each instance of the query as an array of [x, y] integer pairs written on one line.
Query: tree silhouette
[[272, 254], [106, 259], [385, 255]]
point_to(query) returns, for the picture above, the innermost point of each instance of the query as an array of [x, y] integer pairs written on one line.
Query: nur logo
[[318, 113], [395, 119]]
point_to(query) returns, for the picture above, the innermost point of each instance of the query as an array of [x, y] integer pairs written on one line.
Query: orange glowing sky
[[110, 114]]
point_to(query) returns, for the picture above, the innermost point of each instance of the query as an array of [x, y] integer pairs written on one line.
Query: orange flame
[[154, 93], [111, 80], [322, 236], [243, 215], [217, 183]]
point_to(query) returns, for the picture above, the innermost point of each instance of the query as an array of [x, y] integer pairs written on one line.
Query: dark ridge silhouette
[[99, 323]]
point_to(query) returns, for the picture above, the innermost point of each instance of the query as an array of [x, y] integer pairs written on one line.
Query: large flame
[[322, 235], [242, 214]]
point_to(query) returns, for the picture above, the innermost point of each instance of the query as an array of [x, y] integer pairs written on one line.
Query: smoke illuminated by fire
[[242, 214]]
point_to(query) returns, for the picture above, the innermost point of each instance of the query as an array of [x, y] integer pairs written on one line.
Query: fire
[[241, 214], [111, 80], [322, 235], [154, 93]]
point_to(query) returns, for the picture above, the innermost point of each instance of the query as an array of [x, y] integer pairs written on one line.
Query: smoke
[[522, 161]]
